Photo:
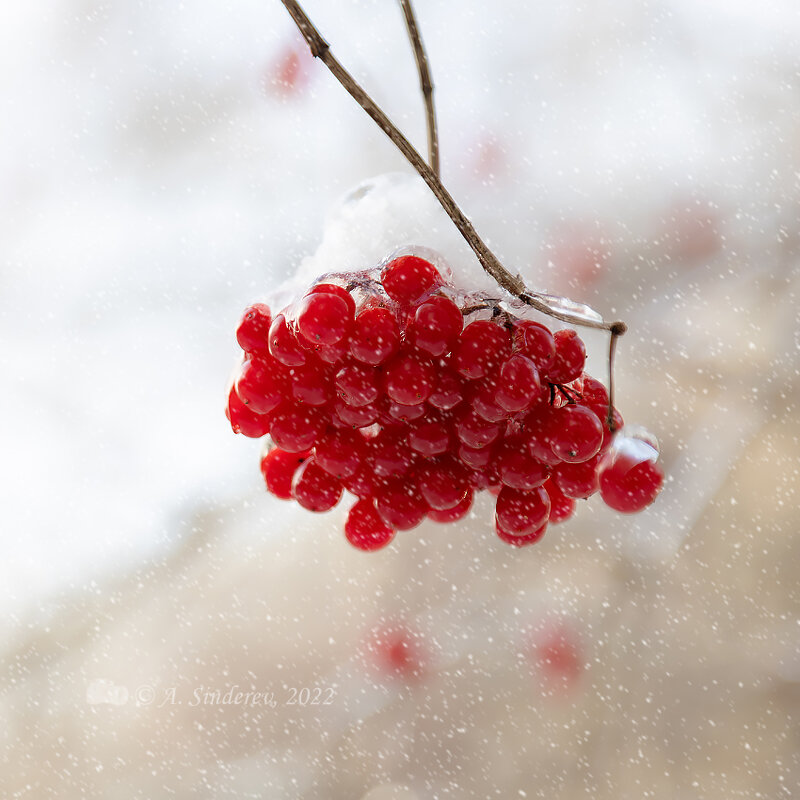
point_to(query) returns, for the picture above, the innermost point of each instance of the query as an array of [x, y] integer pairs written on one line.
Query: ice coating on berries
[[372, 384]]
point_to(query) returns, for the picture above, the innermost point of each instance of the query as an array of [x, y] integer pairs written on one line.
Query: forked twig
[[425, 84], [513, 285]]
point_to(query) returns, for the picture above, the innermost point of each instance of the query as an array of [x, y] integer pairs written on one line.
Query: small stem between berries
[[425, 83]]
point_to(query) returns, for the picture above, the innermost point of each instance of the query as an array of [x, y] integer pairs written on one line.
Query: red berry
[[561, 506], [429, 438], [443, 483], [397, 412], [261, 384], [283, 344], [340, 452], [365, 529], [455, 513], [244, 420], [520, 513], [311, 384], [323, 318], [278, 469], [400, 505], [357, 384], [577, 480], [570, 357], [575, 434], [362, 482], [375, 337], [356, 416], [477, 458], [535, 341], [449, 390], [435, 326], [519, 470], [390, 455], [253, 331], [409, 380], [482, 347], [593, 393], [339, 291], [518, 384], [629, 476], [314, 489], [519, 541], [407, 278], [296, 429], [484, 401], [474, 431], [398, 653]]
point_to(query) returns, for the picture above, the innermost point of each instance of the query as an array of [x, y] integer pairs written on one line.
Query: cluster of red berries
[[393, 385]]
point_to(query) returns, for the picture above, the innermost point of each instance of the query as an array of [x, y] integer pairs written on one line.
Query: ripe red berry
[[323, 318], [376, 336], [593, 393], [449, 390], [409, 379], [356, 416], [429, 438], [253, 331], [455, 513], [435, 326], [561, 506], [535, 341], [519, 541], [477, 458], [400, 505], [629, 476], [315, 489], [365, 529], [341, 452], [407, 278], [569, 359], [518, 384], [520, 470], [389, 454], [244, 420], [312, 384], [339, 291], [397, 412], [362, 482], [520, 513], [261, 384], [577, 480], [296, 429], [575, 433], [443, 483], [484, 401], [482, 347], [357, 384], [474, 431], [278, 469], [283, 344]]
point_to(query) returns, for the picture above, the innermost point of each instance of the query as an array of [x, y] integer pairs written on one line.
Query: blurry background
[[162, 166]]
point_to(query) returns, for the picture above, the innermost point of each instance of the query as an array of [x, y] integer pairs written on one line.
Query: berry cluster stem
[[514, 285], [425, 84]]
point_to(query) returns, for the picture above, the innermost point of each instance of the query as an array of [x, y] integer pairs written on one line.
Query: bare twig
[[513, 285], [425, 83]]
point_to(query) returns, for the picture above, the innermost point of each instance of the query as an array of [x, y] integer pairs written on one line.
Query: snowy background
[[158, 173]]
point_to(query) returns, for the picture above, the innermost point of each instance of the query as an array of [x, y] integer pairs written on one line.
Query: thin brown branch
[[612, 349], [513, 285], [425, 83]]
